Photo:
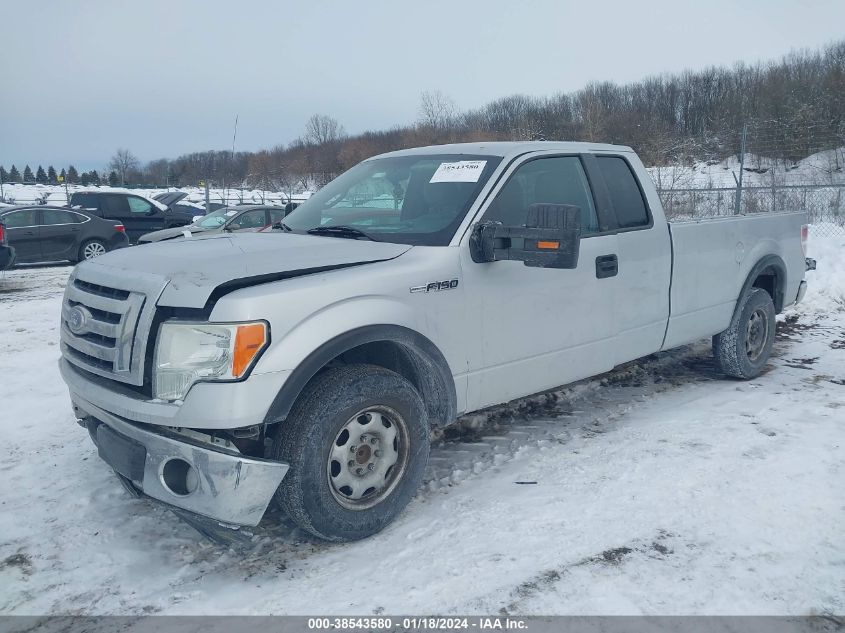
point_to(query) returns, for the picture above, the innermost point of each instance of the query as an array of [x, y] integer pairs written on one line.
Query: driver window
[[136, 205], [557, 180], [249, 220]]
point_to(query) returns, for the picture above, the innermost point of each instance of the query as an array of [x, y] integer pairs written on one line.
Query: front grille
[[104, 327]]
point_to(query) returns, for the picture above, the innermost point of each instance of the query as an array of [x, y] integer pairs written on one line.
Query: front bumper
[[221, 405], [225, 485]]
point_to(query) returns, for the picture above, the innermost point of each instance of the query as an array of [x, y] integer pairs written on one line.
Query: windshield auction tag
[[462, 171]]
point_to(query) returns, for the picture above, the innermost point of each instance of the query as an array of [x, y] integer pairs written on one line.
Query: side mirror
[[551, 238]]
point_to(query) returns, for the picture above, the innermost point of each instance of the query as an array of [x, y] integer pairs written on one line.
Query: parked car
[[176, 200], [138, 214], [51, 234], [252, 217], [308, 365], [7, 252]]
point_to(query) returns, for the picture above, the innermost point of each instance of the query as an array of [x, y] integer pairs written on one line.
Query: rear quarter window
[[625, 193], [84, 200]]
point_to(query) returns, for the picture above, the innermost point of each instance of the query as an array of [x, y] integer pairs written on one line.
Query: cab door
[[24, 234], [536, 328], [644, 259]]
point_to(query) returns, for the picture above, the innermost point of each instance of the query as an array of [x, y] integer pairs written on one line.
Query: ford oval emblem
[[77, 319]]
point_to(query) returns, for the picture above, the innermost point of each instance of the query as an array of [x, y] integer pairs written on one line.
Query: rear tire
[[745, 347], [91, 249], [357, 441]]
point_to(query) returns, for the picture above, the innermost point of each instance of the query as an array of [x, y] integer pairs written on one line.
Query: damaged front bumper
[[219, 484]]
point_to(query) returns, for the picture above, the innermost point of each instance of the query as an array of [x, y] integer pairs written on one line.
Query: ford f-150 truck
[[307, 365]]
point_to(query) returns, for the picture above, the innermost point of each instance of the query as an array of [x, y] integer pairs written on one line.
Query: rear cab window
[[625, 193]]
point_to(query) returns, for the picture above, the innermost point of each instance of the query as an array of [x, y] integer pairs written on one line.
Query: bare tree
[[122, 162], [321, 129], [437, 110]]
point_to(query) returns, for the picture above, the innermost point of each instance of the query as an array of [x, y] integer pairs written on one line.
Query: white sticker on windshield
[[462, 171], [231, 213]]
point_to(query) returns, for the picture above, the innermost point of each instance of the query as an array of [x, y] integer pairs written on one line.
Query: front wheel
[[357, 442], [744, 348]]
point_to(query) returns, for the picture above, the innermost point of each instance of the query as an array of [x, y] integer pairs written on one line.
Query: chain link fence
[[824, 204]]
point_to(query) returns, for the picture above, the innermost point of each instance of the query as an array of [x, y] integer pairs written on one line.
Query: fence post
[[738, 203]]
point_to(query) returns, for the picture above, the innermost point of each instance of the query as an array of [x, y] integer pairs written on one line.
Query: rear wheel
[[357, 441], [91, 249], [745, 347]]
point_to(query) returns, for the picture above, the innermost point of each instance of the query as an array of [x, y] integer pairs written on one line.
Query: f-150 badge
[[436, 286]]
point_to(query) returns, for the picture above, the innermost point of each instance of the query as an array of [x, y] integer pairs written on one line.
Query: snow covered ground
[[659, 488], [822, 168]]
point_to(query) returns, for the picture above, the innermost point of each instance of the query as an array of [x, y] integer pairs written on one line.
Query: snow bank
[[826, 284]]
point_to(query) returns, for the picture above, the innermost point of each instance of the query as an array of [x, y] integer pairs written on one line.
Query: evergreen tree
[[95, 177], [14, 175], [51, 175], [113, 178], [4, 175], [27, 174], [63, 174], [41, 175], [85, 178], [72, 175]]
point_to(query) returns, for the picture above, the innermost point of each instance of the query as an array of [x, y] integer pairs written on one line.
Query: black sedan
[[51, 234], [253, 217]]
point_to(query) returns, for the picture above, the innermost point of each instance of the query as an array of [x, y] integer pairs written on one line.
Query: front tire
[[745, 347], [357, 442]]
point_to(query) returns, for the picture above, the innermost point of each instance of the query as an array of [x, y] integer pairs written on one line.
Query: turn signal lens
[[548, 245], [249, 340], [805, 237]]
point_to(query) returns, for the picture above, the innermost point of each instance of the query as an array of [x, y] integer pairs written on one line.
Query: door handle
[[606, 266]]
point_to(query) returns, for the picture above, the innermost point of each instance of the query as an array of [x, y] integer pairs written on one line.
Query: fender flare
[[434, 378], [768, 261]]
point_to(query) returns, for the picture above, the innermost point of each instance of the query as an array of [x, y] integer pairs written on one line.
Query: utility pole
[[738, 202], [234, 136]]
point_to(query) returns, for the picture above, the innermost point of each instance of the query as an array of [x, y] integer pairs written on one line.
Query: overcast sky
[[166, 77]]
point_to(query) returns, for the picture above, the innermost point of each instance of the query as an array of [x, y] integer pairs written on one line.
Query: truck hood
[[191, 270]]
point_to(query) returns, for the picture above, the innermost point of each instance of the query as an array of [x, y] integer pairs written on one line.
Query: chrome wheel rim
[[94, 249], [756, 335], [368, 458]]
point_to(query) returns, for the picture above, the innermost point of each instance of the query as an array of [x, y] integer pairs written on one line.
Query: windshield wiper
[[341, 230], [282, 226]]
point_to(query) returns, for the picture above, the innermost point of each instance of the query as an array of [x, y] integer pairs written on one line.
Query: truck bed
[[711, 260]]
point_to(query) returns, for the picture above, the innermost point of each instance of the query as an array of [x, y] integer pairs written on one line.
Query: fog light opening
[[179, 477]]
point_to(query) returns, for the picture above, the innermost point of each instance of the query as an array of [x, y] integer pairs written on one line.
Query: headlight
[[191, 352]]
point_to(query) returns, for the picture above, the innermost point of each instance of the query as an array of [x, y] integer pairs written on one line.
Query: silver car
[[252, 217]]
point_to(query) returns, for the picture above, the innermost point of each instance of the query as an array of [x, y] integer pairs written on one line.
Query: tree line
[[787, 109], [51, 177]]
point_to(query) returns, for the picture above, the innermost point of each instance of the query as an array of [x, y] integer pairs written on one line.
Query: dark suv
[[138, 214]]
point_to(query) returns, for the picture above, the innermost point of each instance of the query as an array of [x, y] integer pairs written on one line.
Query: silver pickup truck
[[307, 365]]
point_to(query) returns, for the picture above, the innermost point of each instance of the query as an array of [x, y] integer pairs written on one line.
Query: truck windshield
[[404, 199]]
